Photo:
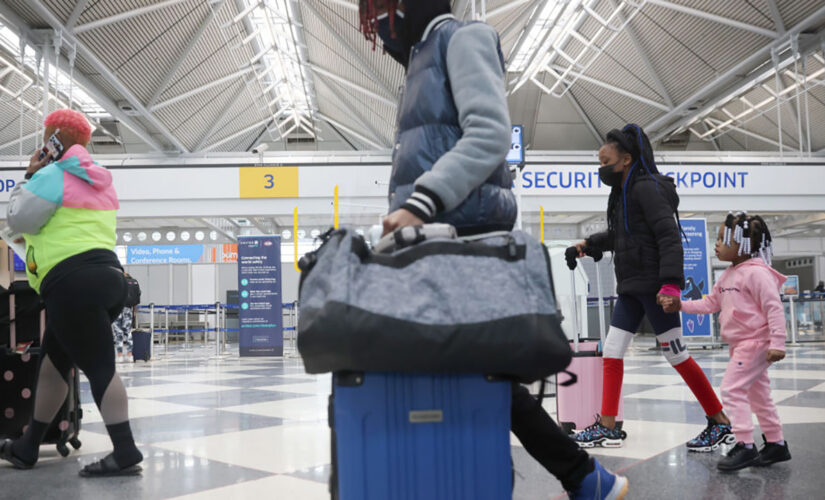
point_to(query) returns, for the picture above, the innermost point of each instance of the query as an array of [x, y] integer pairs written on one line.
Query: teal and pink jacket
[[68, 207]]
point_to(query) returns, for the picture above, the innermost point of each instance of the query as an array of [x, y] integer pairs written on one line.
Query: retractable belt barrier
[[290, 325]]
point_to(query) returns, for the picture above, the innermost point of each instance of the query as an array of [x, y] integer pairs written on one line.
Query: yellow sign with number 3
[[269, 182]]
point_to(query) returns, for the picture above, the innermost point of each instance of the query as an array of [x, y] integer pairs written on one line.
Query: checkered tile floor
[[257, 428]]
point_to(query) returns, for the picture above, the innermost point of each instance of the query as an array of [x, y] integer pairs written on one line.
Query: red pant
[[746, 389]]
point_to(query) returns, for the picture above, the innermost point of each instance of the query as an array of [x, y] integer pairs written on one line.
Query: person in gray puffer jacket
[[449, 166]]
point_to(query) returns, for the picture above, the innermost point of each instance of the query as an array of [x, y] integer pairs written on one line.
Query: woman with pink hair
[[66, 211]]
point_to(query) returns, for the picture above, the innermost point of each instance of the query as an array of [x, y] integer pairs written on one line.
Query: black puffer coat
[[650, 254]]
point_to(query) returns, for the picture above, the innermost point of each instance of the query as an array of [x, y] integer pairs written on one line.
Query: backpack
[[132, 292]]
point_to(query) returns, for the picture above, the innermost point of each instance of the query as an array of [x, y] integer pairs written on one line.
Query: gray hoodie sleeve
[[27, 212], [477, 82]]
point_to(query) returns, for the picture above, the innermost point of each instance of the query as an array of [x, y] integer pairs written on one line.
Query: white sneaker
[[128, 358], [119, 358]]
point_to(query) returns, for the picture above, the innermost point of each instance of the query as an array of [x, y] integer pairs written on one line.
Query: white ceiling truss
[[223, 75]]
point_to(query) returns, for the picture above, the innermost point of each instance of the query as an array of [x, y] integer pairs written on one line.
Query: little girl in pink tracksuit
[[753, 324]]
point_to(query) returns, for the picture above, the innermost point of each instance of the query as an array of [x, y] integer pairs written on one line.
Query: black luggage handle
[[567, 383], [572, 380]]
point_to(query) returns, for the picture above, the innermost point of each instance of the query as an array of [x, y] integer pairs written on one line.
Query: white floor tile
[[797, 374], [642, 378], [683, 393], [281, 449], [310, 409], [800, 415], [203, 377], [164, 390], [646, 439], [139, 408], [304, 376], [319, 387], [93, 443], [818, 388], [268, 487]]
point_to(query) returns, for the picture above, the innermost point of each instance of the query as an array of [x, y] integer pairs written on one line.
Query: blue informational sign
[[259, 287], [697, 276], [791, 286], [516, 154], [164, 254], [19, 265]]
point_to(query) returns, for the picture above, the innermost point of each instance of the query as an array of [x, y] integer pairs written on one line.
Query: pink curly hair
[[74, 128]]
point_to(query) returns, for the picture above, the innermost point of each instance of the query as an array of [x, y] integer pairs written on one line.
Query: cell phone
[[53, 148]]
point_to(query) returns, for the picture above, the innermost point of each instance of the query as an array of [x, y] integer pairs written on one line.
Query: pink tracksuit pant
[[746, 390]]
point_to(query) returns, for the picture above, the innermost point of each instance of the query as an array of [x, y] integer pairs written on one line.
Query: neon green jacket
[[67, 208]]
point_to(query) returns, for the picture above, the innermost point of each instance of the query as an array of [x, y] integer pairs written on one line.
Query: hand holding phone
[[51, 151]]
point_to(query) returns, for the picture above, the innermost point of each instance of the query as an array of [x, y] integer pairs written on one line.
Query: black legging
[[83, 295], [547, 442], [80, 309]]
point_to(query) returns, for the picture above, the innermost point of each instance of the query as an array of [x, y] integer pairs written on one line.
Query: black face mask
[[394, 47], [609, 177]]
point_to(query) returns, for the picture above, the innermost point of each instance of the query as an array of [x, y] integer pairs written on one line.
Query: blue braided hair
[[632, 140]]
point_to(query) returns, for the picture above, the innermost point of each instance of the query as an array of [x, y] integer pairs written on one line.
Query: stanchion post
[[541, 223], [217, 329], [186, 329], [601, 304], [793, 320], [223, 329], [295, 325], [151, 329], [295, 237], [166, 335], [335, 208]]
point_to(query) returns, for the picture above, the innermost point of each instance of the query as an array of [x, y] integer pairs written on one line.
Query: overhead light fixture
[[141, 236], [555, 44], [156, 236], [127, 237], [199, 235], [184, 235]]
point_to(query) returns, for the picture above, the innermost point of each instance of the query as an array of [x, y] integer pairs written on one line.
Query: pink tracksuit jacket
[[753, 320]]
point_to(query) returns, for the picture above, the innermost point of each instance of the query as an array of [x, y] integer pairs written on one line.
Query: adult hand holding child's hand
[[669, 303]]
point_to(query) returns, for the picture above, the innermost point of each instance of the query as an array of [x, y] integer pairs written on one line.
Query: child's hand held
[[774, 355]]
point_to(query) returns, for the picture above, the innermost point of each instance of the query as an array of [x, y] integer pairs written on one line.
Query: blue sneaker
[[600, 484], [599, 435], [710, 439]]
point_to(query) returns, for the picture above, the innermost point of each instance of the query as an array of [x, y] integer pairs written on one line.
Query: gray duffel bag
[[464, 305]]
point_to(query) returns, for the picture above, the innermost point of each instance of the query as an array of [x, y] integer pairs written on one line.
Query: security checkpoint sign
[[259, 289], [697, 276], [268, 182]]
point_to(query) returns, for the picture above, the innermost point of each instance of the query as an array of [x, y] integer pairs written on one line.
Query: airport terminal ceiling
[[202, 79], [195, 76]]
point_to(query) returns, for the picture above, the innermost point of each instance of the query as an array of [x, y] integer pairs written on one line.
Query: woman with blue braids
[[644, 235]]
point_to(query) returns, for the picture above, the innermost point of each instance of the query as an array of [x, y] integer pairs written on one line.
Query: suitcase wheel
[[624, 435], [76, 444], [63, 450]]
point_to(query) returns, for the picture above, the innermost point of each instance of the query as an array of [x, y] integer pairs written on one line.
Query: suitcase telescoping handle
[[571, 255]]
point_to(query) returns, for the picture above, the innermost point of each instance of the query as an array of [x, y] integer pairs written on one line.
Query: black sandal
[[108, 467], [7, 455]]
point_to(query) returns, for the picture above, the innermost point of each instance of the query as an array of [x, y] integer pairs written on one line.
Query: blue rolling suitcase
[[420, 437]]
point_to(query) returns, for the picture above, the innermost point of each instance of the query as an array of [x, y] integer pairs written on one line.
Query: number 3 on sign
[[268, 182]]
